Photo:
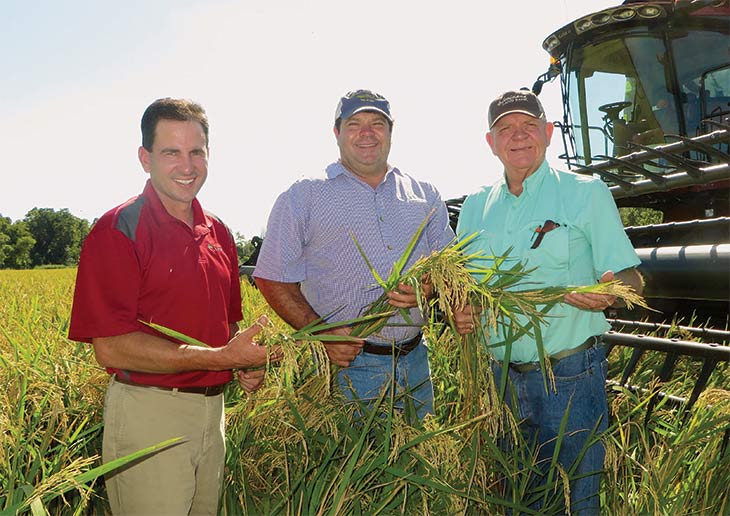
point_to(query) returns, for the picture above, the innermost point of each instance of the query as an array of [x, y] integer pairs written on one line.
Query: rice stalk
[[288, 445]]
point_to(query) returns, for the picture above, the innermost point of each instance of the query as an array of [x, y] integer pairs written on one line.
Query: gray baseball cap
[[522, 101]]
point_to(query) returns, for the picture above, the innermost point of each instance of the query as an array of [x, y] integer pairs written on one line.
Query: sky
[[77, 76]]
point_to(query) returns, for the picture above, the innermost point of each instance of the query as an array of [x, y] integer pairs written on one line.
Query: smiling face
[[177, 165], [520, 142], [364, 141]]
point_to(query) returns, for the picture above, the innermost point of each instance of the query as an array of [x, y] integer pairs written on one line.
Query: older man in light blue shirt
[[568, 229], [581, 237], [309, 266]]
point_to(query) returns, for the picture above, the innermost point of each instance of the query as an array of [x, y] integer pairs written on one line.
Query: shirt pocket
[[551, 255]]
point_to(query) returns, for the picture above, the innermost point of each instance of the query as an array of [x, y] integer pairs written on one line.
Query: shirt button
[[390, 247]]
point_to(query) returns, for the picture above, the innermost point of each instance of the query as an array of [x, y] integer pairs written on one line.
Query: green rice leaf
[[401, 262], [367, 262], [175, 334]]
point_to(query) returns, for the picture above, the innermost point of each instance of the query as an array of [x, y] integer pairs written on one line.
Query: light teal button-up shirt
[[589, 240]]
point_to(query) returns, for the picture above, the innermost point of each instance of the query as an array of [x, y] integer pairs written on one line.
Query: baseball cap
[[362, 100], [522, 101]]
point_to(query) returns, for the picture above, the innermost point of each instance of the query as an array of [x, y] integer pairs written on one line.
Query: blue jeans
[[369, 374], [580, 381]]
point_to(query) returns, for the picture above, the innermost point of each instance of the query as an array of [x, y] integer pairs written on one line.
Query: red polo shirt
[[141, 263]]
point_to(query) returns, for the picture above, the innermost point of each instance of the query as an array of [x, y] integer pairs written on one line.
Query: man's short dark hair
[[182, 110]]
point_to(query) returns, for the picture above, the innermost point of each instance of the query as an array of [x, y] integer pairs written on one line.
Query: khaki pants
[[183, 479]]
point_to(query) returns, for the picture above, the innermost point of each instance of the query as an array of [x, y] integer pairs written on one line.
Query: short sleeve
[[281, 257], [611, 247], [107, 287], [440, 233]]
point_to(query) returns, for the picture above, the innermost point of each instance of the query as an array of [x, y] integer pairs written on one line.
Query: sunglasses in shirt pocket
[[548, 246]]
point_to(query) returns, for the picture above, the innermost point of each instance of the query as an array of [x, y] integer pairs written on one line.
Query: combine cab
[[646, 106]]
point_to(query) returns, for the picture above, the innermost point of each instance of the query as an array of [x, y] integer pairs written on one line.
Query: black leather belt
[[213, 390], [399, 348], [524, 367]]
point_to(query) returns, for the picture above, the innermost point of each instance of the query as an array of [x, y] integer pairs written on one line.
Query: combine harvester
[[646, 107]]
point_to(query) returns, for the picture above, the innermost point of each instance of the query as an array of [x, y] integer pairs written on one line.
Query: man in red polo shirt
[[160, 258]]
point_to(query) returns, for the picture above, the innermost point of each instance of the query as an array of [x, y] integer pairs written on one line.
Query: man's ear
[[490, 141], [144, 158]]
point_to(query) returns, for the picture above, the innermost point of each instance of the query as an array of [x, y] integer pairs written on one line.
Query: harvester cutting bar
[[705, 333], [709, 354], [675, 400], [702, 350]]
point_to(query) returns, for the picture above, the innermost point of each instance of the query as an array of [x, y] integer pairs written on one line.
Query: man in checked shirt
[[309, 266]]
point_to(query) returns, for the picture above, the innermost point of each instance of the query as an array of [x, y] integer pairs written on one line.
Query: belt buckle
[[214, 390], [524, 367], [208, 390]]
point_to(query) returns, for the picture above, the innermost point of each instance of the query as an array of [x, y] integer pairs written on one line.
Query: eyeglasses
[[540, 231]]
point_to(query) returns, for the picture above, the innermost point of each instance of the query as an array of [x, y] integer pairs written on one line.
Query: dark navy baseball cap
[[362, 100]]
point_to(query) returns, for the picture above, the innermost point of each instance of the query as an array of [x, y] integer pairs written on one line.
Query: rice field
[[295, 448]]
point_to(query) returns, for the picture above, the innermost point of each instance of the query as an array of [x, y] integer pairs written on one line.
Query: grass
[[51, 403], [295, 448]]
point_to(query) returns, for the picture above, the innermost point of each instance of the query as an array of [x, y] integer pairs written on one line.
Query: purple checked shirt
[[309, 239]]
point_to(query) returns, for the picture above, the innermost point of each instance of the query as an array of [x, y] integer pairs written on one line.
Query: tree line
[[46, 238]]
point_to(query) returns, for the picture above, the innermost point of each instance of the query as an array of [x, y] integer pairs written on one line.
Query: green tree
[[5, 245], [16, 243], [640, 216], [23, 242], [58, 236]]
